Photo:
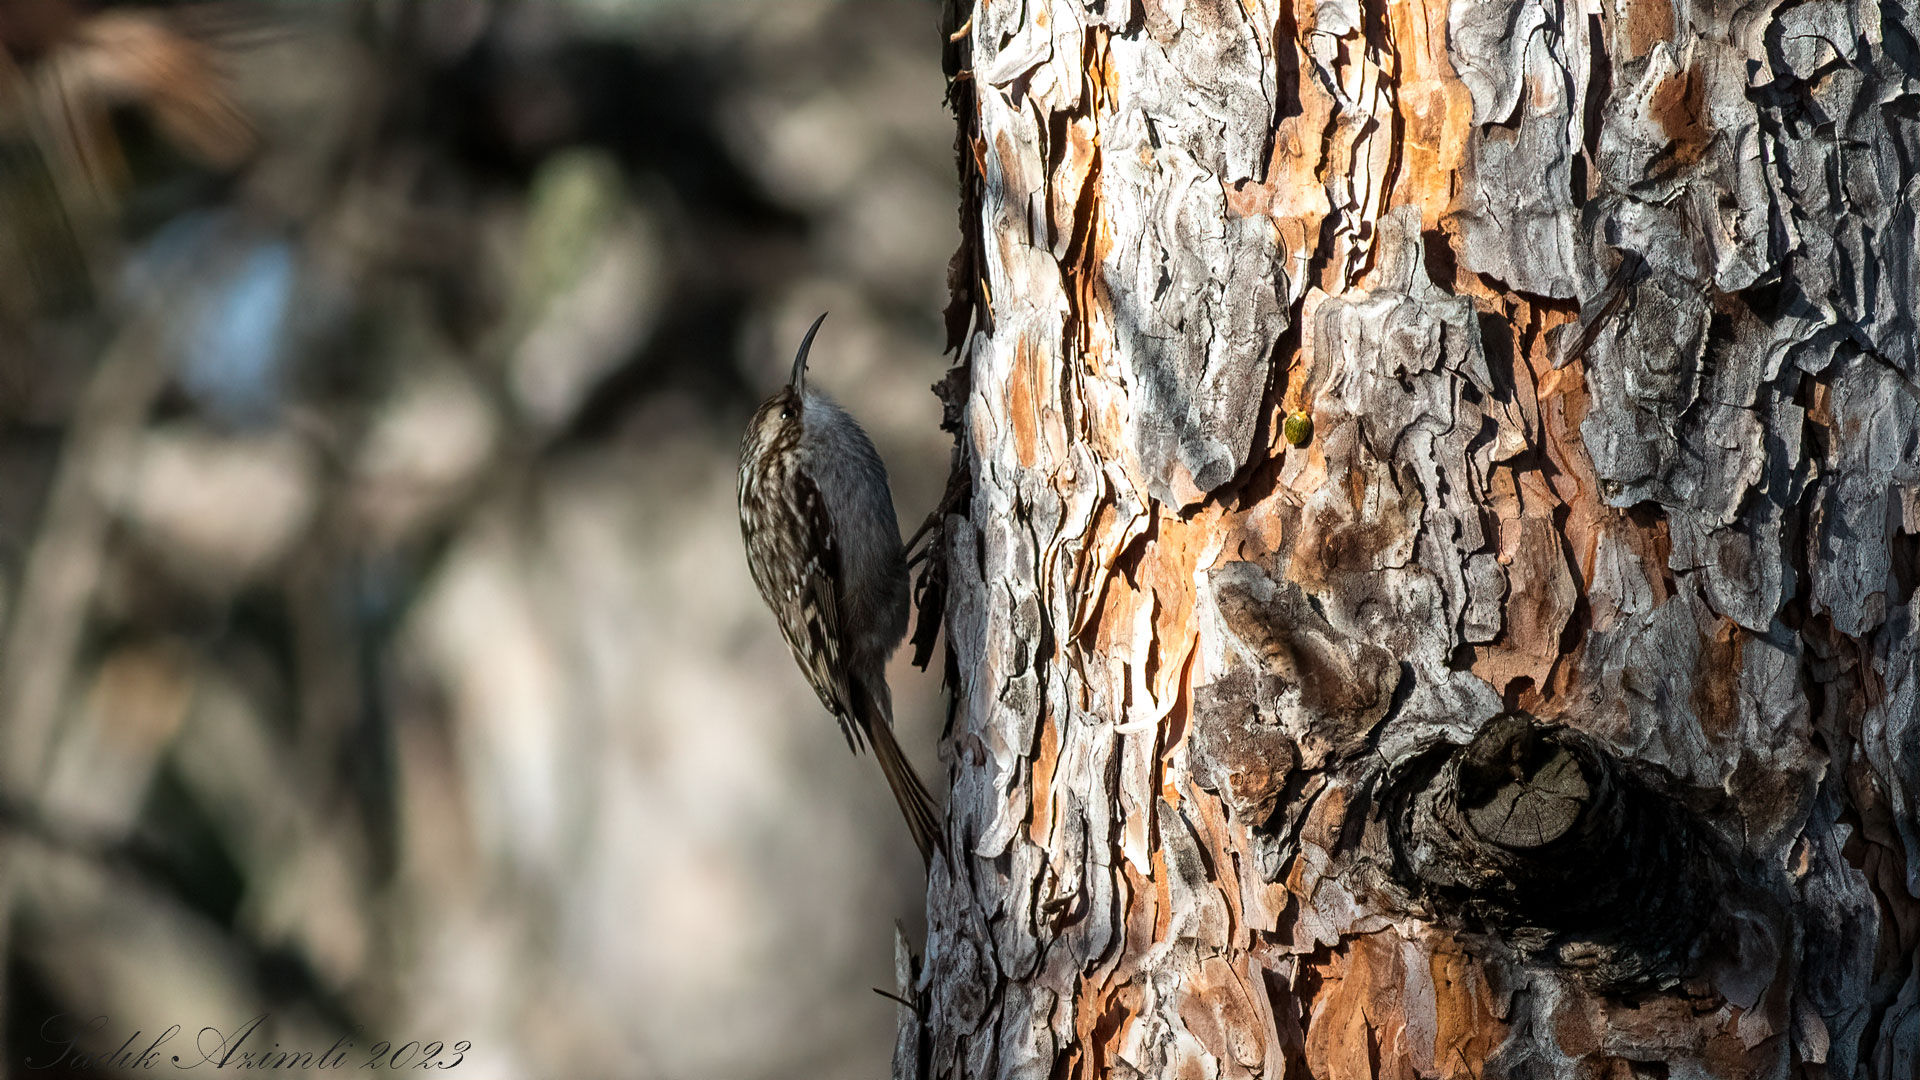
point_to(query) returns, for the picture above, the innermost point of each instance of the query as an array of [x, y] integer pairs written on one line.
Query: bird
[[824, 549]]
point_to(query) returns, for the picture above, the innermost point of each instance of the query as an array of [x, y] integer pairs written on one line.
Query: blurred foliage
[[377, 655]]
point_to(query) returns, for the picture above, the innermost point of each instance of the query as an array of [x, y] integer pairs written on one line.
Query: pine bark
[[1552, 708]]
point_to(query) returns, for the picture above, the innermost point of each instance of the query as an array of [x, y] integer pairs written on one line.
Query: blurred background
[[379, 655]]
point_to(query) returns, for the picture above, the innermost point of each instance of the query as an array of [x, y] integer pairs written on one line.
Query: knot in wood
[[1537, 836]]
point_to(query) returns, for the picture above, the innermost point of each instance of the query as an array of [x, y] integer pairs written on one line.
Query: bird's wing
[[812, 620]]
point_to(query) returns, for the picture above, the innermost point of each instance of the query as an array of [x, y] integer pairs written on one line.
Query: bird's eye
[[786, 412]]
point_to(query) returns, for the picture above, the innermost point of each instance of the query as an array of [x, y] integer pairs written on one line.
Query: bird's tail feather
[[916, 805]]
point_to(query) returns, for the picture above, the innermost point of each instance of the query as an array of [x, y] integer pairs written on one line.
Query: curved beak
[[799, 379]]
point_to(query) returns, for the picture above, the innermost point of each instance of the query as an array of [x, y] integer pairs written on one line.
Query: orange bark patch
[[1100, 1026], [1820, 407], [1560, 395], [1467, 1028], [1293, 192], [1080, 150], [1211, 821], [1325, 819], [1332, 543], [1168, 572], [1147, 920], [1098, 547], [1653, 539], [1670, 1024], [1727, 1055], [1076, 204], [1256, 533], [1010, 160], [1044, 764], [1112, 625], [1357, 1030], [1560, 399], [1217, 1008], [1540, 597], [1679, 106], [1023, 395], [1163, 895], [1649, 22], [1576, 1029], [1716, 679], [1363, 995], [1435, 110]]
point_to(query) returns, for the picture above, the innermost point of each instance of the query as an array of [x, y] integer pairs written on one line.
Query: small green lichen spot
[[1298, 428]]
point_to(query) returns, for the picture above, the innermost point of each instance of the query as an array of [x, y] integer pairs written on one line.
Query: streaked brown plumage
[[824, 549]]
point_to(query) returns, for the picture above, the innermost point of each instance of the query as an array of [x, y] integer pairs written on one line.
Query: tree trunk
[[1548, 709]]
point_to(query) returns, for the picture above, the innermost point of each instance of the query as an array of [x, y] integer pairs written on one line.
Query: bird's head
[[780, 419]]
